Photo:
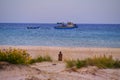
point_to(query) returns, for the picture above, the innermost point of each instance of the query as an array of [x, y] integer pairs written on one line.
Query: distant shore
[[68, 52]]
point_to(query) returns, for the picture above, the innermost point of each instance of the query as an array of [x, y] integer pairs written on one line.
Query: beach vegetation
[[14, 56], [41, 59], [100, 62], [70, 63], [80, 63], [20, 56]]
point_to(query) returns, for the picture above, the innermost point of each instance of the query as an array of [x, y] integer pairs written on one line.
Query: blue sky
[[52, 11]]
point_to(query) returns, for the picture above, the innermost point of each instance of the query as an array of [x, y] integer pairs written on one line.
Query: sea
[[86, 35]]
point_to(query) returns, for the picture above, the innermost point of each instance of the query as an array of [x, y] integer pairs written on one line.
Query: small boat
[[69, 25], [32, 27]]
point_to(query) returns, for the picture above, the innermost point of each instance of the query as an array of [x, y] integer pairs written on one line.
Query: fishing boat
[[69, 25], [32, 27]]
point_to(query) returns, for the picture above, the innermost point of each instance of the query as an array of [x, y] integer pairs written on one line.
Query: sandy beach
[[68, 52], [57, 70]]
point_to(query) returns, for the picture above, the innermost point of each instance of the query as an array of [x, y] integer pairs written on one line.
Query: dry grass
[[100, 62]]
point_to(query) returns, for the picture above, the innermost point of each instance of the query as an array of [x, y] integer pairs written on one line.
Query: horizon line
[[48, 23]]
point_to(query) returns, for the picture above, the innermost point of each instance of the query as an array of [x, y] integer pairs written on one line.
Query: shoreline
[[56, 46], [68, 52]]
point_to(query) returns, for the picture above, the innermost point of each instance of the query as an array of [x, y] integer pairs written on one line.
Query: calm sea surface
[[86, 35]]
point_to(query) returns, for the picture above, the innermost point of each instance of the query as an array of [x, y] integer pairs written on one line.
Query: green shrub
[[32, 61], [19, 56], [47, 58], [70, 63], [117, 64], [15, 56], [41, 59], [100, 62], [44, 58], [80, 63]]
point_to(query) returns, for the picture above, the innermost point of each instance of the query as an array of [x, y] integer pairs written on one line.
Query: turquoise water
[[86, 35]]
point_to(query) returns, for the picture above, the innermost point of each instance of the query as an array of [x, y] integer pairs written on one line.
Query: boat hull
[[32, 27], [57, 27]]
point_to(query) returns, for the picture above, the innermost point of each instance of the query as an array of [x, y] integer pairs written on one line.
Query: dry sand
[[56, 70], [68, 52]]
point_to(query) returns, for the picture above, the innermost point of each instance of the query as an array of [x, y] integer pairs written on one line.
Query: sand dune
[[57, 70]]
